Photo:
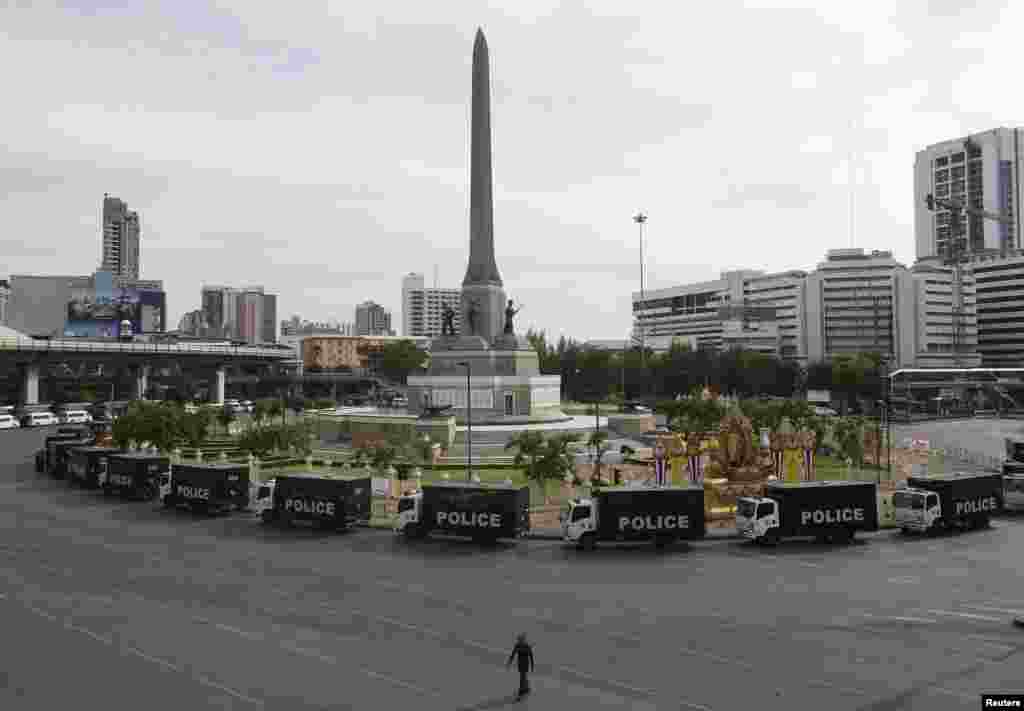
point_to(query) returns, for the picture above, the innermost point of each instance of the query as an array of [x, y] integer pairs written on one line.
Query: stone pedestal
[[505, 385], [490, 308]]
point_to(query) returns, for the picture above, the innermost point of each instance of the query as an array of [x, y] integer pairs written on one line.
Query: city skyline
[[328, 218]]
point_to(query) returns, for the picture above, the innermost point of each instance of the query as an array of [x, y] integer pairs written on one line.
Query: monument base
[[505, 386]]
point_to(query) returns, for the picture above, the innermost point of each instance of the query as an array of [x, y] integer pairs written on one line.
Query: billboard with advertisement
[[99, 312]]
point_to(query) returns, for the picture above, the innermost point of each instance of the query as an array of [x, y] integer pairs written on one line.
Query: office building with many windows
[[423, 308], [982, 171]]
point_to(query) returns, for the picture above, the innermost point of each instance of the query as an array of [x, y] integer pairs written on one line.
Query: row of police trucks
[[828, 511]]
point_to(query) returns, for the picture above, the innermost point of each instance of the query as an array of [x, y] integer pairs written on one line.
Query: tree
[[274, 408], [599, 441], [225, 417], [529, 446], [400, 358], [260, 411], [195, 427], [555, 459]]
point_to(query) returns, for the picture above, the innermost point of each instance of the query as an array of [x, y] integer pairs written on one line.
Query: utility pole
[[640, 218]]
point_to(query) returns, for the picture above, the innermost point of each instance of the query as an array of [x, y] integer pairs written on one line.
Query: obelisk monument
[[486, 373], [483, 299]]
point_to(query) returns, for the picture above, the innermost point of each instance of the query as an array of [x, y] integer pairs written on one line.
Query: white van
[[8, 422], [41, 419], [76, 417]]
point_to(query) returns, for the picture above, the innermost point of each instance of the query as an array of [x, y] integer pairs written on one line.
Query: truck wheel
[[267, 516], [107, 493], [168, 502], [985, 522], [588, 542], [660, 542], [851, 535]]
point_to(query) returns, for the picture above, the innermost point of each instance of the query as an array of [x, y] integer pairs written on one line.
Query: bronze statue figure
[[447, 321], [510, 311]]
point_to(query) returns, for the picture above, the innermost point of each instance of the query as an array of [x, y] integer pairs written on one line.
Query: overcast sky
[[321, 148]]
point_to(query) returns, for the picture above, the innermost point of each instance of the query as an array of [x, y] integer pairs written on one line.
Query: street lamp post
[[640, 218], [469, 421]]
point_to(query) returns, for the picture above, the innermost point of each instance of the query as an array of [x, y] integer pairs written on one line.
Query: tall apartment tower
[[120, 239], [422, 308], [982, 170], [372, 319]]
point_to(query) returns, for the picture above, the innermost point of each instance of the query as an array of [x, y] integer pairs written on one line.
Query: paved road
[[132, 607], [980, 435]]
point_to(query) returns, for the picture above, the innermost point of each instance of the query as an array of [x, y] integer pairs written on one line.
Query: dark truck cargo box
[[58, 452], [87, 464], [135, 474], [331, 503], [644, 514], [207, 487], [45, 457], [964, 497], [479, 511], [819, 508]]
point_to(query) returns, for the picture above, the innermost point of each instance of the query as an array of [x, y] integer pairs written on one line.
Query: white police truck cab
[[948, 501], [831, 511]]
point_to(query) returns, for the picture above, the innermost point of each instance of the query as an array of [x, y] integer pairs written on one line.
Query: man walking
[[524, 652]]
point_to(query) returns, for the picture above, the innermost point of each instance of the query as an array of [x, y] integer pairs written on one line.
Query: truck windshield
[[406, 505], [580, 512], [746, 508], [765, 510], [904, 500]]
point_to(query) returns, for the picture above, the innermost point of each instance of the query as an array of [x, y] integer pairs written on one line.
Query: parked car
[[76, 417], [825, 412], [39, 419], [249, 405], [8, 422]]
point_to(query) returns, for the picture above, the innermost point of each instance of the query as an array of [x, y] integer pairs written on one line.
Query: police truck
[[206, 488], [483, 512], [134, 474], [336, 504], [661, 515], [964, 501], [832, 511]]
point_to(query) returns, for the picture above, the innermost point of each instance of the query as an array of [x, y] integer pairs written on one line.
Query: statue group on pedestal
[[472, 312]]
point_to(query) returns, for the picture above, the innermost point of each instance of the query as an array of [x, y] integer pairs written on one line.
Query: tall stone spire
[[482, 268]]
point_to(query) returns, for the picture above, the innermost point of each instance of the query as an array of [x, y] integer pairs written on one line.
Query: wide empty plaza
[[128, 606]]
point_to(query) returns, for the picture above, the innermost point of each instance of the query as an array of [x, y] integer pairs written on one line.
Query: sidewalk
[[555, 534]]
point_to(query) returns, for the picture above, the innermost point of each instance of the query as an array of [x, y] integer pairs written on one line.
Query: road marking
[[950, 613], [42, 613], [906, 580], [805, 564], [306, 652], [994, 609], [206, 681], [898, 618], [150, 658], [235, 630]]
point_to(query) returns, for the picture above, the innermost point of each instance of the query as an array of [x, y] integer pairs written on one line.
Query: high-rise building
[[999, 279], [120, 239], [372, 319], [423, 308], [5, 295], [982, 171], [247, 314]]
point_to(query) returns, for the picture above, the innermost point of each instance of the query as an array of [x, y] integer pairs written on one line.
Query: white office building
[[982, 171], [854, 302], [422, 308], [999, 279]]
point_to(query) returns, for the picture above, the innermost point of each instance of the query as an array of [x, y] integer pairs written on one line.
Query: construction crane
[[954, 252]]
